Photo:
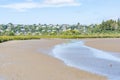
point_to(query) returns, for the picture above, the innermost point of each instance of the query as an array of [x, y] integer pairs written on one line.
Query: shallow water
[[77, 55]]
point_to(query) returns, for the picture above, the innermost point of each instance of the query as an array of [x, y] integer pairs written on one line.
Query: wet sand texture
[[22, 60], [112, 45]]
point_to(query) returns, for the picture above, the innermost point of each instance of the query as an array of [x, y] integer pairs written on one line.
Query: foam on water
[[77, 55]]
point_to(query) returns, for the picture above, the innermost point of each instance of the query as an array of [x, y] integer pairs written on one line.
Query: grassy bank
[[8, 38]]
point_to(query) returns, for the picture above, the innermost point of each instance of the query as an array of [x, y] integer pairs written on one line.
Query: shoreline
[[104, 44], [112, 53], [20, 60], [80, 56]]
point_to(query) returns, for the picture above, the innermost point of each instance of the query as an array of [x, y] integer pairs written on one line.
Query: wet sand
[[22, 60], [108, 44], [112, 46], [83, 57]]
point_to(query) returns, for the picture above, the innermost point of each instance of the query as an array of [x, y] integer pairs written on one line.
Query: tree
[[11, 33]]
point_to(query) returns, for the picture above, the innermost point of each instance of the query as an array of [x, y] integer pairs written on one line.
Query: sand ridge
[[106, 44]]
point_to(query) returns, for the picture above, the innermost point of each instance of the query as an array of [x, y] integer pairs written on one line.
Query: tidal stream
[[78, 55]]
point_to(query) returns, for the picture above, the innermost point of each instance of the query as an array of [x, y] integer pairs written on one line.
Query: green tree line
[[106, 27]]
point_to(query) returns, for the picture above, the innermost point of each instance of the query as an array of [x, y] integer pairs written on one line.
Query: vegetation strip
[[106, 29], [8, 38]]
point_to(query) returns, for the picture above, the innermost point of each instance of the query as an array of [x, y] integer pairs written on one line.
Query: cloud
[[21, 6], [46, 3], [59, 1]]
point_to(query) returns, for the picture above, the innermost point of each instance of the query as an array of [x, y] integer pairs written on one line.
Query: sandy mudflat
[[22, 60], [108, 44]]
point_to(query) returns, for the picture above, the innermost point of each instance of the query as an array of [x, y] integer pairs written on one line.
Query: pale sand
[[21, 60], [108, 44]]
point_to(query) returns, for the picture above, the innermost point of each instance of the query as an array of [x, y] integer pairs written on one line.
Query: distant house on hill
[[64, 27]]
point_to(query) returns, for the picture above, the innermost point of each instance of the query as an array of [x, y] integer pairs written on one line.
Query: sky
[[58, 11]]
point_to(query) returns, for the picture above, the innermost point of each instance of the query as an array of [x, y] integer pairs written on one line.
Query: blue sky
[[58, 11]]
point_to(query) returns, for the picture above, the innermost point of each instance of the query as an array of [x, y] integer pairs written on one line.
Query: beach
[[109, 48], [106, 44], [92, 55], [25, 60]]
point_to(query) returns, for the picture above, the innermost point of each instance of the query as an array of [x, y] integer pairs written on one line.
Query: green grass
[[8, 38]]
